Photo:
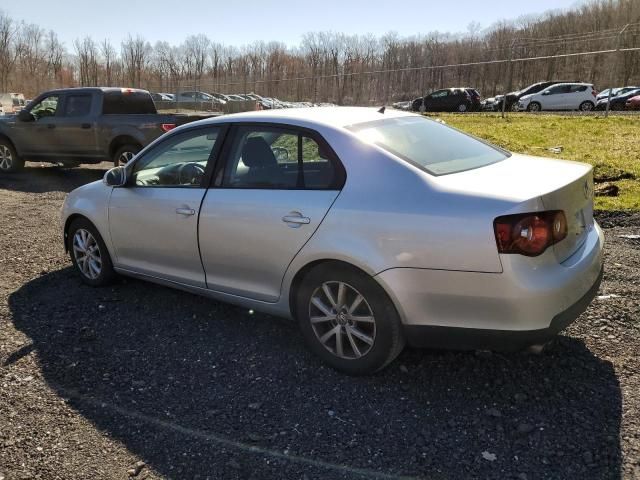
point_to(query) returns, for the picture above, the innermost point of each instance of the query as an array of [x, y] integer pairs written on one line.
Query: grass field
[[611, 145]]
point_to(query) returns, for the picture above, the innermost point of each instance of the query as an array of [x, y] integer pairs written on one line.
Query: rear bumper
[[529, 302], [424, 336]]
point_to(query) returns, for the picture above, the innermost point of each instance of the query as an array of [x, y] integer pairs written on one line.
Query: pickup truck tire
[[89, 254], [124, 154], [9, 160]]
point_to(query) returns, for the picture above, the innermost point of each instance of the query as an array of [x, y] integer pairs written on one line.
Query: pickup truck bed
[[83, 125]]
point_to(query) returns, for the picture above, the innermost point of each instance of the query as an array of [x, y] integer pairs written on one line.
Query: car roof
[[337, 117]]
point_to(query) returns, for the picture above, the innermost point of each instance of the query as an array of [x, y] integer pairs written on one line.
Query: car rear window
[[127, 102], [429, 145]]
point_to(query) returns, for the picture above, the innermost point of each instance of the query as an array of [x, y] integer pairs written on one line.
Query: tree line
[[339, 68]]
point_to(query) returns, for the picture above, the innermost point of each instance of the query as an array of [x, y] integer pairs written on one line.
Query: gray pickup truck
[[73, 126]]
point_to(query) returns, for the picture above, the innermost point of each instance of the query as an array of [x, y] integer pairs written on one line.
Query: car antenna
[[382, 109]]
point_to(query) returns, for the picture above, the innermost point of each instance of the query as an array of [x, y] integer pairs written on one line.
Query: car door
[[153, 220], [38, 137], [278, 184], [558, 99], [76, 126]]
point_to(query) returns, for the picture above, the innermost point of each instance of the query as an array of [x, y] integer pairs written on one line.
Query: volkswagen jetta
[[371, 228]]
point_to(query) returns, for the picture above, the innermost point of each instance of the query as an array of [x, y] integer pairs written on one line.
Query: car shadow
[[201, 389], [36, 178]]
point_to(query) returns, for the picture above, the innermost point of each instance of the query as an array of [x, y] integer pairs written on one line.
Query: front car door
[[436, 101], [277, 185], [153, 220], [555, 97], [39, 137]]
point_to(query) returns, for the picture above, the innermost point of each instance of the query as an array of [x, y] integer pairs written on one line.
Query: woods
[[339, 68]]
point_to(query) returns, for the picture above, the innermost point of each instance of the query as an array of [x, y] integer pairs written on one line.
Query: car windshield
[[430, 145]]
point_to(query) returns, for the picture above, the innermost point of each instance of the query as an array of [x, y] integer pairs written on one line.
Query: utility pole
[[504, 97], [613, 70]]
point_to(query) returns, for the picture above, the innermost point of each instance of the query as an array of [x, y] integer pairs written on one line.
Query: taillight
[[529, 234], [167, 126], [594, 92]]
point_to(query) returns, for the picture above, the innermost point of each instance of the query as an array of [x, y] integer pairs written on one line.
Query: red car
[[633, 103]]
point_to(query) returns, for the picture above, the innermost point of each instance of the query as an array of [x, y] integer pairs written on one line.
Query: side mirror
[[116, 177], [25, 116]]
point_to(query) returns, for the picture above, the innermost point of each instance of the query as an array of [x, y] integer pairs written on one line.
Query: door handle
[[85, 125], [185, 211], [50, 125], [295, 219]]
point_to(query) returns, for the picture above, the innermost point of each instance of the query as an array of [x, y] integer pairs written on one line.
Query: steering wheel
[[190, 174]]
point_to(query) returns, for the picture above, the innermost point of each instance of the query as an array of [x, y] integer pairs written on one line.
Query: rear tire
[[89, 254], [586, 106], [364, 318], [125, 154], [9, 160]]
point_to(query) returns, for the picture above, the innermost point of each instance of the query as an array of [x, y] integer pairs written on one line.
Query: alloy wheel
[[125, 157], [6, 159], [342, 320], [86, 251]]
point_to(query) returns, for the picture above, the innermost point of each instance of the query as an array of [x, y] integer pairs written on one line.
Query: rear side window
[[429, 145], [578, 88], [78, 105], [127, 102], [279, 159]]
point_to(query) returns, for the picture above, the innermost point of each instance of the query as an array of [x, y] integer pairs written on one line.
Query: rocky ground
[[141, 381]]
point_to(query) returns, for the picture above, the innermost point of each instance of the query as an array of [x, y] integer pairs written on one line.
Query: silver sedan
[[371, 228]]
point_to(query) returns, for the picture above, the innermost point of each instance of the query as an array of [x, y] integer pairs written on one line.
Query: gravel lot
[[142, 381]]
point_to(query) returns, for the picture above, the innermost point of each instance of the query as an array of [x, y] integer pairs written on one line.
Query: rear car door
[[276, 185], [153, 220], [76, 125]]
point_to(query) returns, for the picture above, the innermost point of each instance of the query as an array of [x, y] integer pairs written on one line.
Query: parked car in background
[[12, 102], [512, 98], [561, 96], [199, 97], [362, 265], [448, 100], [83, 125], [633, 103], [619, 101], [161, 97], [614, 92]]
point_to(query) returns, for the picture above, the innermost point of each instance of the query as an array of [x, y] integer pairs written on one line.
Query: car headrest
[[257, 153]]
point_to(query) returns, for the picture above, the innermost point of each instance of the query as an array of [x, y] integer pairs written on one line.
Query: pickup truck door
[[76, 125], [153, 220], [39, 136]]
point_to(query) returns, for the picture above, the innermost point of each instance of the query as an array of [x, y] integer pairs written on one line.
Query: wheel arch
[[4, 136], [121, 141], [297, 279]]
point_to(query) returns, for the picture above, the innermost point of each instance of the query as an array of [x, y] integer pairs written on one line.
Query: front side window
[[78, 105], [431, 146], [178, 161], [278, 159], [47, 107], [439, 94]]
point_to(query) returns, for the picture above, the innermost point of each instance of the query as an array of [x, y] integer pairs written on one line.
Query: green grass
[[611, 145]]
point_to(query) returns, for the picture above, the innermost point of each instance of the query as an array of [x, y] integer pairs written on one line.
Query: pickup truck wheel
[[89, 254], [9, 160], [124, 154]]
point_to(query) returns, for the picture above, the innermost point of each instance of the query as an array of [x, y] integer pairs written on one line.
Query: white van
[[11, 102]]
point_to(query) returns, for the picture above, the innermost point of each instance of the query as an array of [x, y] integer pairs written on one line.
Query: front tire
[[125, 154], [462, 108], [348, 320], [9, 160], [534, 107], [89, 254]]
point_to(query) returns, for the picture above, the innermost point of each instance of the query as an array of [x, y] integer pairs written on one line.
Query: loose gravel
[[140, 381]]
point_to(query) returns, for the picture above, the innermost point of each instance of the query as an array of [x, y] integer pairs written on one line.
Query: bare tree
[[135, 55]]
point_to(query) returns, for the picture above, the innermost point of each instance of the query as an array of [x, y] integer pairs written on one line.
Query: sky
[[243, 22]]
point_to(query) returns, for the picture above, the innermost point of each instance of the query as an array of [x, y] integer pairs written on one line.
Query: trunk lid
[[535, 183]]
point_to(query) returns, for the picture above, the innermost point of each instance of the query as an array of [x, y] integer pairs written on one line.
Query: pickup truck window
[[118, 102], [78, 106], [47, 107]]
